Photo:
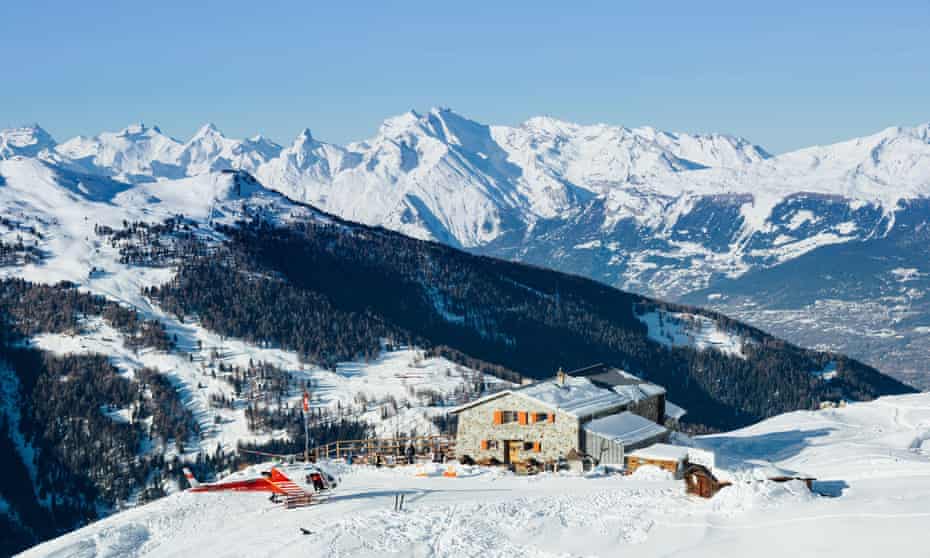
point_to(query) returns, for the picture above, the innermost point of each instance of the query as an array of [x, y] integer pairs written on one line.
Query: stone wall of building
[[477, 423]]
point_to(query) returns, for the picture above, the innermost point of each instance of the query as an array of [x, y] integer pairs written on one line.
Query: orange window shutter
[[521, 417], [484, 444], [551, 417], [537, 446], [498, 417], [534, 417]]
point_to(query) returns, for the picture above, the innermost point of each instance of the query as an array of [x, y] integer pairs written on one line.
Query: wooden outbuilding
[[667, 457], [700, 481]]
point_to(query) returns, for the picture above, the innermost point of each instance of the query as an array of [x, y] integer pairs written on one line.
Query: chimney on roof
[[560, 377]]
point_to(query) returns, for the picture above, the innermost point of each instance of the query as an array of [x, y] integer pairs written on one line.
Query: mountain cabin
[[598, 412]]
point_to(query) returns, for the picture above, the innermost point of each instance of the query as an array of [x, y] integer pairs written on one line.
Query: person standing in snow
[[411, 454]]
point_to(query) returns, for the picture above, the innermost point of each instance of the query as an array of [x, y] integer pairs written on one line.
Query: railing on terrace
[[389, 449]]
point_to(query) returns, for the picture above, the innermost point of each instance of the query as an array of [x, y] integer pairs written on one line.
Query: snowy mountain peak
[[26, 141], [135, 129], [305, 145], [208, 130], [265, 147], [884, 167], [549, 124], [440, 110], [917, 135], [304, 137], [923, 131], [400, 124]]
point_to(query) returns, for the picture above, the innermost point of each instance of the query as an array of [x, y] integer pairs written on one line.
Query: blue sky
[[782, 74]]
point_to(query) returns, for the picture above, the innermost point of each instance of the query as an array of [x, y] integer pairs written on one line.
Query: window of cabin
[[509, 416], [540, 417]]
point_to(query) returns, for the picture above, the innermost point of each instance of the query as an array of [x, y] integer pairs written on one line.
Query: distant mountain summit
[[28, 141]]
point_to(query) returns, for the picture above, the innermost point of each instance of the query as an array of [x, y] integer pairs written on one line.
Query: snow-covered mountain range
[[675, 215], [437, 175], [538, 186]]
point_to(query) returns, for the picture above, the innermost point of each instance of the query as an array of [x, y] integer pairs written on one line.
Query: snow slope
[[872, 459], [676, 329], [360, 389]]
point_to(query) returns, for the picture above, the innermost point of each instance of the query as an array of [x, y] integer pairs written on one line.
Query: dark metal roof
[[604, 376]]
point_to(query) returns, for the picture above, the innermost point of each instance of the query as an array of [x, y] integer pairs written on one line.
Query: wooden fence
[[388, 448]]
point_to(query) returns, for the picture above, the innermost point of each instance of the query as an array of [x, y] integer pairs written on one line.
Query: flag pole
[[306, 426]]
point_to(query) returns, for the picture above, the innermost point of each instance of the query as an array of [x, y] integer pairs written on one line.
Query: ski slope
[[871, 459]]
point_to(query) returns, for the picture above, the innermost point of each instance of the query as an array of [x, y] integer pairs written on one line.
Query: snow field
[[675, 329], [873, 458], [481, 513]]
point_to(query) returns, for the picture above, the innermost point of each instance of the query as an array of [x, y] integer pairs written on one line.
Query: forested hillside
[[68, 455], [325, 290]]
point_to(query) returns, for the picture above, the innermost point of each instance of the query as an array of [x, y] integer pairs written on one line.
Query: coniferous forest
[[79, 457]]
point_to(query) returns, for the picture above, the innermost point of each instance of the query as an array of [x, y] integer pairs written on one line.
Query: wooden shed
[[700, 481], [667, 457]]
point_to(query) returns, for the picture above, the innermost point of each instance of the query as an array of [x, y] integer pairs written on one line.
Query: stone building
[[597, 411]]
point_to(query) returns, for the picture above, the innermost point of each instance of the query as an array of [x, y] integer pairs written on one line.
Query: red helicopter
[[297, 480]]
